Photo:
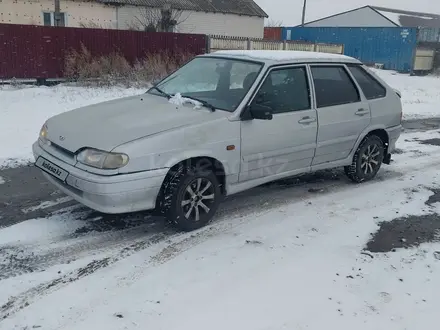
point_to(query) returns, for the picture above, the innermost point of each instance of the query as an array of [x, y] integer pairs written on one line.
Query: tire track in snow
[[19, 259], [24, 299], [182, 242]]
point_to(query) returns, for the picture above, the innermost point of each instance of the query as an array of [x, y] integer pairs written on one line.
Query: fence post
[[284, 44], [315, 47], [248, 46], [208, 44], [414, 54]]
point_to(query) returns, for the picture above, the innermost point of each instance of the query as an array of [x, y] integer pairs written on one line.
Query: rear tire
[[191, 198], [367, 160]]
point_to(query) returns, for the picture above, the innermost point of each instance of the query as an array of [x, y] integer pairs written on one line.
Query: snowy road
[[307, 235], [295, 254]]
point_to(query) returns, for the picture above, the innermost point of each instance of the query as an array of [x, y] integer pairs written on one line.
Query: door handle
[[306, 120], [362, 112]]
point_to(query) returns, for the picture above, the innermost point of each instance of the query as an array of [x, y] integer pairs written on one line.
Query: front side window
[[333, 86], [371, 87], [285, 90], [220, 81]]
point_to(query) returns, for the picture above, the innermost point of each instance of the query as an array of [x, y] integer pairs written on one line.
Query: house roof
[[238, 7], [398, 17], [346, 12], [408, 18]]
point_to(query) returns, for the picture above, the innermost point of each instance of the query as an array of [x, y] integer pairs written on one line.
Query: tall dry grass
[[113, 69]]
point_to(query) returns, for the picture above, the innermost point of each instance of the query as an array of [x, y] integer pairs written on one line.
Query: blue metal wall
[[391, 46]]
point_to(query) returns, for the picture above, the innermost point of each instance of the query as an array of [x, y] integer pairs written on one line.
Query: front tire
[[193, 197], [367, 160]]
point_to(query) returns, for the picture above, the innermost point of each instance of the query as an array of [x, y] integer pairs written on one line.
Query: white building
[[243, 18], [373, 16], [74, 13]]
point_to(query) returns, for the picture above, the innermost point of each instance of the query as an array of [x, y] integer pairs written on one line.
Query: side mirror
[[259, 111]]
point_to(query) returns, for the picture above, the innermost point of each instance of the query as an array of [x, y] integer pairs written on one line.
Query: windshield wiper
[[161, 91], [203, 102]]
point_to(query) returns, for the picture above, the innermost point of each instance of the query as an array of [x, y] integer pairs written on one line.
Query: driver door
[[286, 144]]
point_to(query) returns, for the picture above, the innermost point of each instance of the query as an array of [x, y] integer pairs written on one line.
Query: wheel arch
[[382, 134], [205, 162], [379, 131]]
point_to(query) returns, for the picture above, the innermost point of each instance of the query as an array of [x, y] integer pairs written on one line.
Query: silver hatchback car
[[221, 124]]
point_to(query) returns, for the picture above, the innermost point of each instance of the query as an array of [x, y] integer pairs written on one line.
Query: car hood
[[109, 124]]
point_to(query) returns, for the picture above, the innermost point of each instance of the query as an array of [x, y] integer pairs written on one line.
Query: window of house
[[285, 90], [371, 87], [62, 18], [333, 86], [49, 19]]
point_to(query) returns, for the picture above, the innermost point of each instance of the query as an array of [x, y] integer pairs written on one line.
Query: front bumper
[[108, 194]]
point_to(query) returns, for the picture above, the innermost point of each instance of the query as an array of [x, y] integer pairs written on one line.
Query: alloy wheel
[[370, 159], [198, 198]]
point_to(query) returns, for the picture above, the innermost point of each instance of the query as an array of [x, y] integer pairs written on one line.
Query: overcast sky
[[289, 11]]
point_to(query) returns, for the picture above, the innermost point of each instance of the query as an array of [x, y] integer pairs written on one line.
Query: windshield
[[221, 82]]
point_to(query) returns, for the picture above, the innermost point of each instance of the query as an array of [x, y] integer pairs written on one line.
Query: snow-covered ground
[[290, 255], [23, 111], [295, 262]]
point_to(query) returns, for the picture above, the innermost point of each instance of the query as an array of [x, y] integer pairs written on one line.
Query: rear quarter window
[[371, 88]]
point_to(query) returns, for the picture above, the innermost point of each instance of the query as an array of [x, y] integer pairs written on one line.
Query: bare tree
[[273, 23], [165, 19]]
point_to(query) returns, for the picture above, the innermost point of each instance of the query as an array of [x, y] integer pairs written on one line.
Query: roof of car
[[284, 56]]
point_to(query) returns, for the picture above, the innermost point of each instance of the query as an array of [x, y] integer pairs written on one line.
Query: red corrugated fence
[[272, 33], [39, 52]]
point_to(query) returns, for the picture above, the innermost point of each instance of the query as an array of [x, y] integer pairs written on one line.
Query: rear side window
[[371, 87], [333, 86]]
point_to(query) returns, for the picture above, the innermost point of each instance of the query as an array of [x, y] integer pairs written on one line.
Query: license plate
[[51, 168]]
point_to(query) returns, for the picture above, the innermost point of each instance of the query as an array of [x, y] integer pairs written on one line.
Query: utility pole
[[304, 13], [56, 15]]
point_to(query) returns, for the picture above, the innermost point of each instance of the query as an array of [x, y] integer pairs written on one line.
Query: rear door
[[343, 114]]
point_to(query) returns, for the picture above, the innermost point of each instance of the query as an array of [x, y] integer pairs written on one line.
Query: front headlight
[[43, 133], [102, 159]]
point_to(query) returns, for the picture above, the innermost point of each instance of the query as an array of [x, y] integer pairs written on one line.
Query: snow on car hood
[[109, 124]]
